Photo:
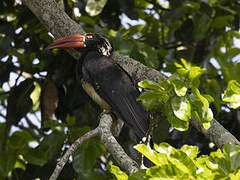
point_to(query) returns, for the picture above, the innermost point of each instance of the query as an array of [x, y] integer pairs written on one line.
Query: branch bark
[[59, 24], [104, 132], [112, 145]]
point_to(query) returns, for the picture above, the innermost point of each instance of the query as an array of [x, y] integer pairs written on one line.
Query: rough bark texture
[[216, 133], [113, 146], [53, 17]]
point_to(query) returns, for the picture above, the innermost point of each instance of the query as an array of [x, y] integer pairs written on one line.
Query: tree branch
[[113, 146], [71, 150], [104, 132], [216, 133]]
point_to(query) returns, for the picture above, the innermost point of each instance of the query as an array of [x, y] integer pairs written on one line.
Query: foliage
[[157, 33], [184, 163], [179, 96], [232, 94]]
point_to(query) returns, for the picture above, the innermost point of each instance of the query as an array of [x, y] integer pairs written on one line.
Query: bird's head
[[86, 42]]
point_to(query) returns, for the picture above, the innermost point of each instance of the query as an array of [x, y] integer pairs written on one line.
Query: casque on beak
[[72, 41]]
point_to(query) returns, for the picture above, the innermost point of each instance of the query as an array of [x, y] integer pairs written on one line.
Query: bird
[[105, 81]]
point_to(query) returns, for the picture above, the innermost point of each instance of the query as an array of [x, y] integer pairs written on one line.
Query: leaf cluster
[[179, 97], [184, 163]]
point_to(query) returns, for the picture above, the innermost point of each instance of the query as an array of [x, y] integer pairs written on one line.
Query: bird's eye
[[89, 37]]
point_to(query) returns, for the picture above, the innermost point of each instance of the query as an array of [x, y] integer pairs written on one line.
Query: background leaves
[[159, 34]]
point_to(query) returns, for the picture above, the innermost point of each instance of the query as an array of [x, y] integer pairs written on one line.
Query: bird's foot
[[107, 111]]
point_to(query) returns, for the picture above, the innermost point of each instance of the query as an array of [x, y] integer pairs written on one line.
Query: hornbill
[[106, 82]]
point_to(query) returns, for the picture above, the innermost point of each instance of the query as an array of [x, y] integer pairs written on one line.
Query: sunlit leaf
[[152, 155], [95, 7], [150, 85], [174, 121], [35, 96], [181, 108], [120, 175], [191, 151], [232, 94], [179, 87], [168, 171]]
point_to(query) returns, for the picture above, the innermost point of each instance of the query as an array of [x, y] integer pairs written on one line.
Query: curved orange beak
[[72, 41]]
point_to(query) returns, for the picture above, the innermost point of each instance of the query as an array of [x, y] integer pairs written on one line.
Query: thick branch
[[112, 145], [216, 133], [53, 17]]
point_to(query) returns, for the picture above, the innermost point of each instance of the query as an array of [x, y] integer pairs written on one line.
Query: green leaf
[[206, 125], [232, 94], [150, 95], [201, 106], [146, 84], [120, 175], [52, 143], [20, 163], [35, 156], [174, 121], [19, 139], [167, 171], [164, 148], [183, 162], [204, 172], [70, 120], [85, 156], [95, 7], [179, 158], [156, 158], [7, 161], [87, 20], [234, 86], [232, 154], [35, 96], [179, 87], [153, 98], [235, 176], [222, 21], [195, 72], [139, 175], [75, 133], [202, 23], [208, 97], [231, 53], [181, 108], [19, 101], [185, 63], [191, 151], [234, 105]]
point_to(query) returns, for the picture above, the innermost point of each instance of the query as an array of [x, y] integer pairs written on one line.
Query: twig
[[70, 151]]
